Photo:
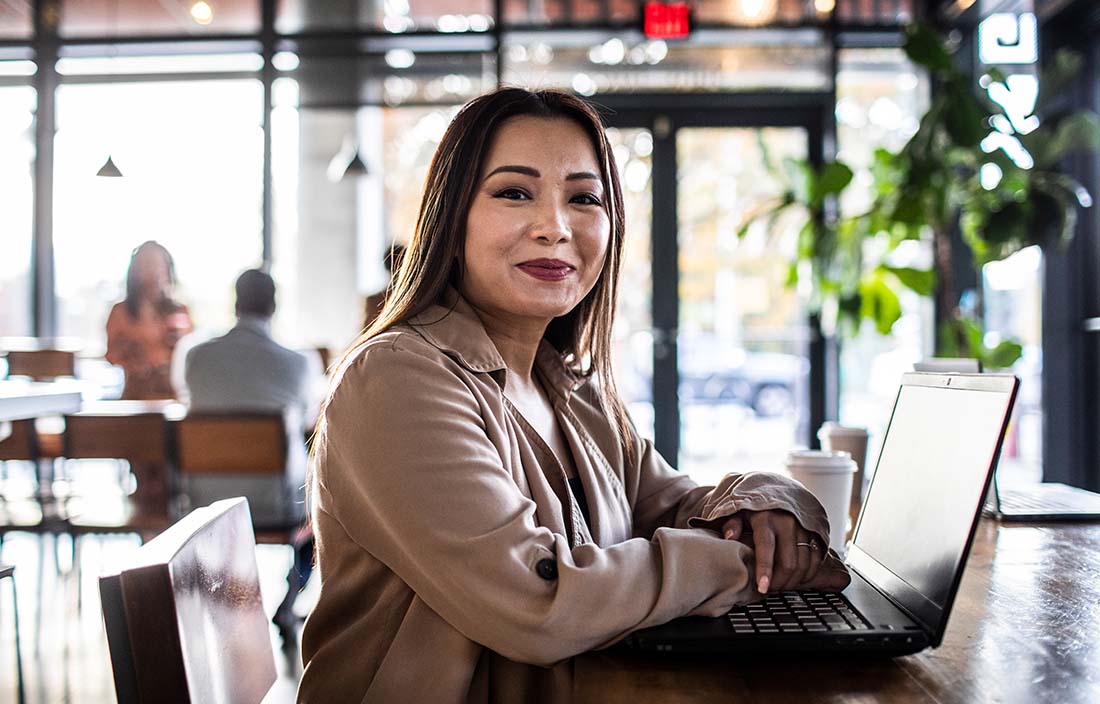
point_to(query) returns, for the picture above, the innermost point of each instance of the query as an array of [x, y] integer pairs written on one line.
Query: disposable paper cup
[[828, 476], [839, 438]]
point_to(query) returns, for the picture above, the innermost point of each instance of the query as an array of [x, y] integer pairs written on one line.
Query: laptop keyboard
[[798, 612], [1020, 503]]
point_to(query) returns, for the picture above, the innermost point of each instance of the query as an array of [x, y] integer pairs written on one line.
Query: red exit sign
[[667, 20]]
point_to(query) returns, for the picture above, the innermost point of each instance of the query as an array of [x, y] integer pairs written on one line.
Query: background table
[[1025, 628], [21, 400]]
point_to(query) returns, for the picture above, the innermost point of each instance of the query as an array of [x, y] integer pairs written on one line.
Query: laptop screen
[[925, 493]]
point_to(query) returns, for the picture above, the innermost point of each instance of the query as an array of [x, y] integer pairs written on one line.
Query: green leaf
[[1003, 356], [834, 178], [922, 281], [964, 117], [997, 75], [924, 46], [879, 303]]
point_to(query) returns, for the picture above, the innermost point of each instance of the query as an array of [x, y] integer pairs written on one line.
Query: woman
[[483, 507], [143, 329]]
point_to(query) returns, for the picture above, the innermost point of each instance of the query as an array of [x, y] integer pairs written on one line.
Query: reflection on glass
[[16, 184], [880, 98], [192, 155], [633, 337], [104, 18], [411, 136], [742, 339], [394, 16], [632, 64], [1013, 305]]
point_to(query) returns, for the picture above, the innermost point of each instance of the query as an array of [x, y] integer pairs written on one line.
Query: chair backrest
[[232, 443], [22, 443], [184, 617], [141, 437], [41, 364]]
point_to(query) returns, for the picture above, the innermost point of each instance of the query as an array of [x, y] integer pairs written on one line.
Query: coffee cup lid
[[831, 428], [823, 461]]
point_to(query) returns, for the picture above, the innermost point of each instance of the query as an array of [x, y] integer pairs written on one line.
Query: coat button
[[547, 569]]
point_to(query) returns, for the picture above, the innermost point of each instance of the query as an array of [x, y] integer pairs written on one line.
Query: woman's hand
[[787, 556]]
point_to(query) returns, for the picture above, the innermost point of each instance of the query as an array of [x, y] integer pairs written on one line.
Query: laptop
[[1039, 503], [1031, 503], [910, 544]]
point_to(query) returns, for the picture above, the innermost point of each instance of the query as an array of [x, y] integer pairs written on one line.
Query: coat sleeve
[[664, 497], [410, 469]]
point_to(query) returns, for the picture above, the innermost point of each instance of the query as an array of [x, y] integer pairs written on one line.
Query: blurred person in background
[[374, 302], [143, 329], [246, 370]]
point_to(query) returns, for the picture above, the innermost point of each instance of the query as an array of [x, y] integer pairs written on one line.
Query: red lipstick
[[547, 269]]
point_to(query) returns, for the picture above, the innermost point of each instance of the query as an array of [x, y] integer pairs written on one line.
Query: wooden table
[[1025, 628]]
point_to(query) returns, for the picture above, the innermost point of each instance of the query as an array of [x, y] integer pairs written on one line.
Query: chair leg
[[20, 692], [77, 571]]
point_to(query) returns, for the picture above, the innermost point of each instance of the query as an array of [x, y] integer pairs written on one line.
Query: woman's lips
[[546, 269]]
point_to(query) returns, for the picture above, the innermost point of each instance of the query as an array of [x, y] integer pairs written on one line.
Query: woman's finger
[[805, 559], [764, 545], [731, 529]]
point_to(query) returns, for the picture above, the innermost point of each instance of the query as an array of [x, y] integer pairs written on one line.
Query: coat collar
[[453, 327]]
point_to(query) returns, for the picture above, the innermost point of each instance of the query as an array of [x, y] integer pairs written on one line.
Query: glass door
[[742, 338], [712, 346]]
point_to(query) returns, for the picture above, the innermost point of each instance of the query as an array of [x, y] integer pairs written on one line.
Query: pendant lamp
[[109, 169]]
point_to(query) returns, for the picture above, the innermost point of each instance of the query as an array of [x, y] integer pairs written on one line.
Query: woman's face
[[152, 272], [537, 231]]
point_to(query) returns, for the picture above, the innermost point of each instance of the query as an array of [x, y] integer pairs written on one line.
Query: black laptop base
[[881, 629]]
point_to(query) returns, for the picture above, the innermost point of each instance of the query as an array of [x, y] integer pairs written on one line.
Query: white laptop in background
[[1032, 503]]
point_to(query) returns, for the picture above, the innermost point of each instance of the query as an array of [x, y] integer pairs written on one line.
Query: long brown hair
[[583, 335], [166, 304]]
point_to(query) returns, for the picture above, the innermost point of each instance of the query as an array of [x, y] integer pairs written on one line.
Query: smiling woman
[[482, 505]]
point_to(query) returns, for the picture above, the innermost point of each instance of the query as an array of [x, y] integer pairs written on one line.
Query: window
[[880, 98], [191, 154], [17, 105]]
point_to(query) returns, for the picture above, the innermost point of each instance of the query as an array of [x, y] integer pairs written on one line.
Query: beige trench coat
[[455, 565]]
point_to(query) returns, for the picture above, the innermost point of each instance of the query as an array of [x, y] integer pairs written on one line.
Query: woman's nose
[[552, 225]]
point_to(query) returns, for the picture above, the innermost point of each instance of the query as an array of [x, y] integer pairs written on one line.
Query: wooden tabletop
[[33, 399], [1025, 628]]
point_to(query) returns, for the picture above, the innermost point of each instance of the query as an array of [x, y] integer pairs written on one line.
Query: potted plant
[[1004, 193]]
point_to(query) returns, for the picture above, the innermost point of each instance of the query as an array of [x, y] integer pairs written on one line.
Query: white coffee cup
[[839, 438], [828, 476]]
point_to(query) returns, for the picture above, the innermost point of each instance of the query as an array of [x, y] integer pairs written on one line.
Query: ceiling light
[[400, 58], [202, 12], [109, 170]]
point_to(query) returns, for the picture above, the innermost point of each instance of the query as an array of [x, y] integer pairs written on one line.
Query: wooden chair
[[42, 364], [135, 432], [184, 618], [8, 572], [238, 451]]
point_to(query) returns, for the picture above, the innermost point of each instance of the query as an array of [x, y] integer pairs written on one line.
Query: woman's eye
[[511, 194], [587, 199]]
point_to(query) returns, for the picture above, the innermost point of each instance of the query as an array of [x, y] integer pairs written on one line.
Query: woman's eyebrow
[[528, 171]]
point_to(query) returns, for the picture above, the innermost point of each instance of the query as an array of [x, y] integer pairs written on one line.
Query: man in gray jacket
[[246, 370]]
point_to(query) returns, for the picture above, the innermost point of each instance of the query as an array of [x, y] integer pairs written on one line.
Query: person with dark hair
[[143, 329], [373, 304], [483, 507], [247, 370]]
